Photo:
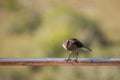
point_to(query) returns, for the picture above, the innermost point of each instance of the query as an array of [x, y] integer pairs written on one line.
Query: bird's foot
[[68, 59], [91, 61], [76, 60]]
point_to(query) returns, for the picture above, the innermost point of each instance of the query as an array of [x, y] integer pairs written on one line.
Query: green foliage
[[11, 4], [25, 24]]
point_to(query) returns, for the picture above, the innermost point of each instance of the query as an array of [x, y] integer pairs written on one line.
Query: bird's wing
[[78, 43]]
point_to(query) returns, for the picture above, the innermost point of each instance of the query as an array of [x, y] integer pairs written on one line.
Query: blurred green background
[[37, 28]]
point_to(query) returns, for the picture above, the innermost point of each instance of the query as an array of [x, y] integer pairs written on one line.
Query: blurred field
[[36, 29]]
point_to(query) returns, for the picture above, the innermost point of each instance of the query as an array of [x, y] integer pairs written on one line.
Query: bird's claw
[[76, 60], [68, 59]]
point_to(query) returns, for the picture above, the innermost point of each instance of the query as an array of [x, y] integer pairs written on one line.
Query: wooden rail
[[59, 62]]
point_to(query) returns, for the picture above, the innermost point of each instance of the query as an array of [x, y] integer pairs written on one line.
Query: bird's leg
[[76, 56], [69, 56]]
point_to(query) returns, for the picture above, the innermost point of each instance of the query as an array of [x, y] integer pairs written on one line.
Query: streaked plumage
[[73, 44]]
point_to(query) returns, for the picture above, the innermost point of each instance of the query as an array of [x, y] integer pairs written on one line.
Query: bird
[[73, 44]]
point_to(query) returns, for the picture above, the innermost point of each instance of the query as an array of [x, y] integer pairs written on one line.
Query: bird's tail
[[86, 48]]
